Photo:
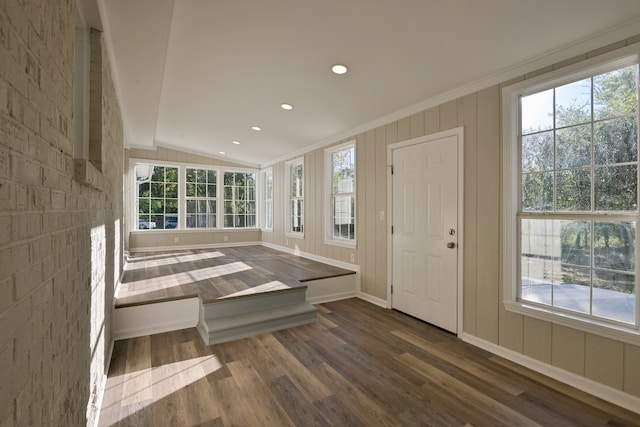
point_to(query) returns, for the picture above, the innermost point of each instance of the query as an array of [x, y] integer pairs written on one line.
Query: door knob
[[451, 245]]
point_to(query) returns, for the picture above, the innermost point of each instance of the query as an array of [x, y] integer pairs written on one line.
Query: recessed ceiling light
[[339, 69], [286, 106], [222, 152], [256, 128], [236, 142]]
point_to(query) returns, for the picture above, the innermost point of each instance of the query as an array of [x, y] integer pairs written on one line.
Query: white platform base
[[148, 319], [140, 320], [228, 320]]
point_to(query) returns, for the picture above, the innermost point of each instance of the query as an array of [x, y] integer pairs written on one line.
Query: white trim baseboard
[[324, 260], [373, 300], [612, 395], [198, 246]]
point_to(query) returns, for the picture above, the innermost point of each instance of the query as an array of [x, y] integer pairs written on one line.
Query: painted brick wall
[[60, 238]]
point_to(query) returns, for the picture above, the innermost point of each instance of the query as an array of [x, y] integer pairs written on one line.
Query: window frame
[[182, 199], [187, 198], [290, 198], [329, 196], [222, 198], [511, 189], [265, 203], [136, 200]]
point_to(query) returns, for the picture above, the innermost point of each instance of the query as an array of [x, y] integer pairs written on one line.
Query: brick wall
[[60, 237]]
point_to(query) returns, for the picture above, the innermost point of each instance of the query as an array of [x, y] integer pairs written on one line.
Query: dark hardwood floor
[[212, 274], [358, 365]]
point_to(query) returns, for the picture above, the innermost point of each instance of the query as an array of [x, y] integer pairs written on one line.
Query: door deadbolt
[[452, 232]]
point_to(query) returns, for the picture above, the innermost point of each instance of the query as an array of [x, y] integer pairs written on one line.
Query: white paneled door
[[425, 230]]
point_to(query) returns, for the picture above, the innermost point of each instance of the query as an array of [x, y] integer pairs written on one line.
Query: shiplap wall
[[606, 361]]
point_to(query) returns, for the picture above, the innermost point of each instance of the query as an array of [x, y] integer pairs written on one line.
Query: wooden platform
[[227, 293], [214, 274]]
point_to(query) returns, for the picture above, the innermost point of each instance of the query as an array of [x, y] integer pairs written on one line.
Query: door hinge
[[391, 289], [392, 229], [391, 169]]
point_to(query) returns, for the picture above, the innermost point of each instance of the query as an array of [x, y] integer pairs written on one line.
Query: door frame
[[459, 133]]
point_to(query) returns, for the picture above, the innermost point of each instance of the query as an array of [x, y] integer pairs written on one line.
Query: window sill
[[193, 230], [295, 235], [622, 333], [341, 243]]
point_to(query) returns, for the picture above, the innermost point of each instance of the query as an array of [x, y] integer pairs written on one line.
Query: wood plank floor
[[212, 274], [358, 365]]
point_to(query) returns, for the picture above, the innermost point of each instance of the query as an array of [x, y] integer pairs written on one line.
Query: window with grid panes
[[574, 210], [200, 198], [239, 199], [156, 197]]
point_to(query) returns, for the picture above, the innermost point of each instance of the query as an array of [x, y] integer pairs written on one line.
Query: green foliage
[[587, 163], [575, 178]]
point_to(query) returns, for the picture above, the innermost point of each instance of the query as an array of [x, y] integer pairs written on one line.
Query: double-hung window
[[340, 166], [157, 196], [191, 197], [571, 196], [200, 197], [295, 197], [267, 199], [239, 199]]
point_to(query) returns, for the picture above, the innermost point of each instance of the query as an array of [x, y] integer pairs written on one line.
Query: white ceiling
[[197, 74]]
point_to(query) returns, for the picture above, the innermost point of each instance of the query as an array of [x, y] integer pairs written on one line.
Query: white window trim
[[262, 200], [511, 188], [133, 214], [287, 199], [220, 189], [182, 211], [328, 163]]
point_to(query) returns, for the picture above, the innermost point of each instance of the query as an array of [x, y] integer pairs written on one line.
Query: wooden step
[[225, 320]]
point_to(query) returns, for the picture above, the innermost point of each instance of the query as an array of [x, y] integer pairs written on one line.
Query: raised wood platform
[[228, 293]]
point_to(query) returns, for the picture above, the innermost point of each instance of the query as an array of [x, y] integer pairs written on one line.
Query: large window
[[341, 185], [239, 199], [571, 151], [191, 197], [157, 196], [295, 199], [200, 195], [267, 199]]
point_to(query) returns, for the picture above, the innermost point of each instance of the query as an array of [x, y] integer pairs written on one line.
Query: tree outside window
[[579, 196], [239, 199], [200, 195], [157, 197], [343, 200]]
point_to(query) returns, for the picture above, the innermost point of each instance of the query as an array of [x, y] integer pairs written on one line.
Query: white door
[[425, 231]]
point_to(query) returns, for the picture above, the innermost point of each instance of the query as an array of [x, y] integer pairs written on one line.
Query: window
[[157, 196], [341, 189], [200, 196], [267, 199], [295, 199], [571, 153], [239, 199]]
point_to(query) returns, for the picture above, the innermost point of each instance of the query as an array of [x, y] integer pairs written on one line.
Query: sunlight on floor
[[165, 282], [157, 261], [147, 386]]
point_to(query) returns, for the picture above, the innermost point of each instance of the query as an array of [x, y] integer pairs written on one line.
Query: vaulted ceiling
[[196, 75]]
